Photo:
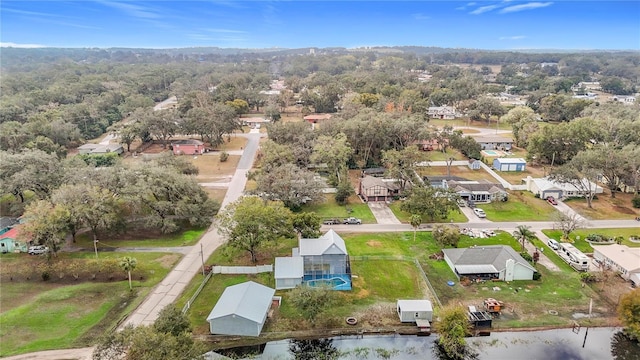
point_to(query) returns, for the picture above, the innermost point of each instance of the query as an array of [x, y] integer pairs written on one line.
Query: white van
[[553, 244]]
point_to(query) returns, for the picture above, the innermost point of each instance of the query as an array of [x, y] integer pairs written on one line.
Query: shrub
[[636, 201], [224, 156], [537, 275], [525, 255]]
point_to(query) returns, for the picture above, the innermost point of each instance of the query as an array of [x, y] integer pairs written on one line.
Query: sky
[[494, 25]]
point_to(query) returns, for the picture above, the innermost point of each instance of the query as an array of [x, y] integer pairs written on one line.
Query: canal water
[[562, 344]]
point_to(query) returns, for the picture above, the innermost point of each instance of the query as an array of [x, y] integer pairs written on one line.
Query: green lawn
[[437, 155], [330, 209], [454, 216], [142, 239], [39, 315], [521, 206]]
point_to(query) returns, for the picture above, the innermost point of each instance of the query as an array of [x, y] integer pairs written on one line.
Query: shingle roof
[[329, 243], [371, 181], [475, 186], [6, 221], [249, 300], [482, 259], [187, 142]]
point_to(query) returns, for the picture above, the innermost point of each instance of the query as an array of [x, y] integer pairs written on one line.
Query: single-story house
[[494, 142], [621, 258], [442, 112], [480, 191], [100, 149], [241, 310], [373, 188], [412, 310], [187, 147], [428, 144], [9, 242], [488, 262], [509, 164], [253, 122], [288, 272], [626, 99], [440, 181], [474, 164], [325, 260], [316, 118], [544, 187], [378, 171]]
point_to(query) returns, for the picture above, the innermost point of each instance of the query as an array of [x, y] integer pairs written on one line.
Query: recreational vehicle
[[573, 256]]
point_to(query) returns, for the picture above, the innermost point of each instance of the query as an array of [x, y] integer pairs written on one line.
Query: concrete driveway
[[382, 213]]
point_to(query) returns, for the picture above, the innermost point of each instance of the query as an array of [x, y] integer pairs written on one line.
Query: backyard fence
[[186, 306], [241, 269]]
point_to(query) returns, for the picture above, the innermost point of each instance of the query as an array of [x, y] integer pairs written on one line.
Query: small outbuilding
[[474, 164], [288, 272], [188, 147], [509, 164], [241, 310], [413, 310]]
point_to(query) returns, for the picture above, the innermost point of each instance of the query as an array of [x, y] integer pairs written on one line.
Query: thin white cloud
[[421, 16], [527, 6], [226, 31], [517, 37], [484, 9], [133, 10], [22, 46], [471, 4]]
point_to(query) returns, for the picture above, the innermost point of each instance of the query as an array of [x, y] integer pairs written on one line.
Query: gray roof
[[248, 300], [476, 186], [329, 243], [289, 267], [484, 259], [6, 221], [439, 178], [493, 139], [187, 142], [371, 181]]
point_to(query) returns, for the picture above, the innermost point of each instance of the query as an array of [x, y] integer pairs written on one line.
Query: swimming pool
[[336, 282], [492, 152]]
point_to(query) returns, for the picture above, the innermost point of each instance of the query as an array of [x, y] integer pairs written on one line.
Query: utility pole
[[202, 258], [95, 247]]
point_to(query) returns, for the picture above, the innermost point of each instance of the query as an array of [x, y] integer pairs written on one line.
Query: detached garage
[[509, 164], [241, 310]]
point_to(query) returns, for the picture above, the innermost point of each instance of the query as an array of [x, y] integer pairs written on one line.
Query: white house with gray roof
[[241, 310], [288, 272], [545, 187], [489, 262], [621, 258]]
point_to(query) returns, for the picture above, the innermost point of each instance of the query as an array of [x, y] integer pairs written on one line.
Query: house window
[[417, 315]]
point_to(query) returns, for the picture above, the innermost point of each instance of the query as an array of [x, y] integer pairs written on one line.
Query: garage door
[[513, 167]]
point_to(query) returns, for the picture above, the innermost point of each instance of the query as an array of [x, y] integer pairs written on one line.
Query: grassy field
[[212, 170], [146, 238], [521, 206], [405, 217], [461, 171], [516, 177], [605, 207], [330, 209], [65, 313], [437, 155], [234, 142]]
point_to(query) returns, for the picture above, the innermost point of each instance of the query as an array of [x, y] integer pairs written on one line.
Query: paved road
[[175, 282]]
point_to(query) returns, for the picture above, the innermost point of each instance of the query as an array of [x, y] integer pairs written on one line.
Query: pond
[[561, 344]]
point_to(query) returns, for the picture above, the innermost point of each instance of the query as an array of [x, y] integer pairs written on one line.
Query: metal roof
[[415, 305], [511, 160], [289, 267], [329, 243], [248, 300], [626, 257]]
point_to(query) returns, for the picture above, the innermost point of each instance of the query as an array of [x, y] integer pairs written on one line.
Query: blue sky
[[496, 25]]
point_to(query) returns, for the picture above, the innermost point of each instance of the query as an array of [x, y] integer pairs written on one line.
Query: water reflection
[[563, 344]]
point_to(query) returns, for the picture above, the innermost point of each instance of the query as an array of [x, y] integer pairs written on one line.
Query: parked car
[[553, 244], [480, 213], [352, 221], [331, 222], [38, 250], [551, 200]]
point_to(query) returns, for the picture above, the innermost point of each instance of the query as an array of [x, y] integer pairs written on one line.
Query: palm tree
[[128, 264], [416, 220], [523, 233]]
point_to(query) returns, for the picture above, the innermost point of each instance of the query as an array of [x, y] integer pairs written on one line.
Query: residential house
[[509, 164], [9, 242], [373, 188], [442, 112], [6, 223], [494, 142], [544, 187], [428, 144], [316, 118], [188, 147], [440, 182], [474, 164], [621, 258], [288, 272], [510, 99], [587, 85], [625, 99], [377, 172], [241, 310], [253, 122], [413, 310], [499, 262], [480, 191], [326, 261], [100, 149]]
